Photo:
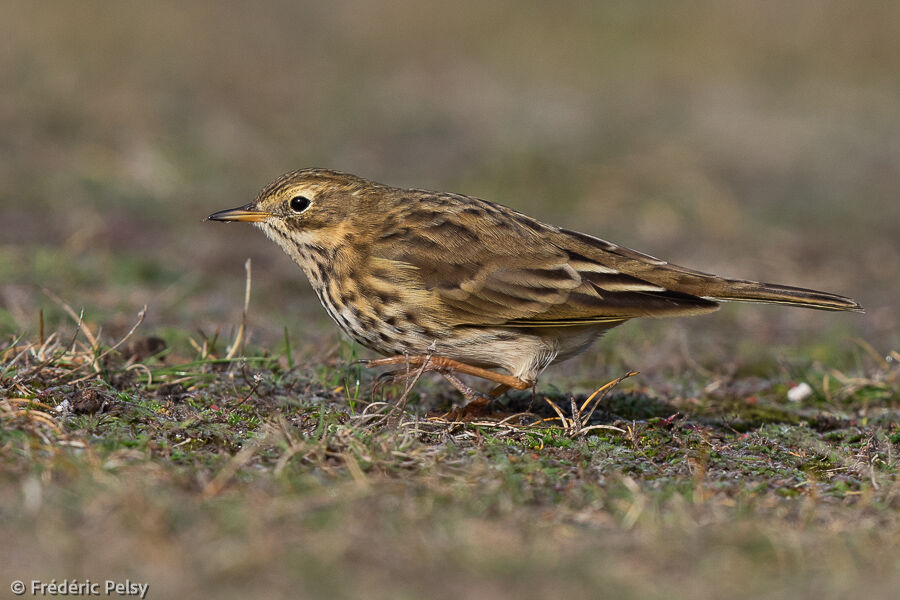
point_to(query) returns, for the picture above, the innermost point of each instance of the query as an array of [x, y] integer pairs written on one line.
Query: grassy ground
[[226, 477], [214, 453]]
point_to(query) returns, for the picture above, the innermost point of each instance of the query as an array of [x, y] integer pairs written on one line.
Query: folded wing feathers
[[559, 277], [577, 291], [619, 282]]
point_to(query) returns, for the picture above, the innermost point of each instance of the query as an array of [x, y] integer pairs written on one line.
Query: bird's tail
[[754, 291]]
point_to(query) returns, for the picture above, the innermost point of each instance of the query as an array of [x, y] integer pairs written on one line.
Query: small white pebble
[[64, 407], [799, 392]]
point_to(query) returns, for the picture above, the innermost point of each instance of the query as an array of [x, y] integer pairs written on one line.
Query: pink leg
[[439, 363]]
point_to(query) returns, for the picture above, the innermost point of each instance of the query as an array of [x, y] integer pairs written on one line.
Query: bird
[[459, 285]]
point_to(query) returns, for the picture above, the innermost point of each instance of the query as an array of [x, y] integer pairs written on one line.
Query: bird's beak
[[247, 213]]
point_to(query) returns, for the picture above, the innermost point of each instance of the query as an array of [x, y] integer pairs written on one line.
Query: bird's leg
[[438, 363], [498, 391], [476, 402]]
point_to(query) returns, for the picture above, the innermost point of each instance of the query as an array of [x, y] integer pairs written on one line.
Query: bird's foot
[[440, 363], [477, 403]]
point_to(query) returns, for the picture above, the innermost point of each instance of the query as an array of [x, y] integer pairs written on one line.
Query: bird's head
[[309, 206]]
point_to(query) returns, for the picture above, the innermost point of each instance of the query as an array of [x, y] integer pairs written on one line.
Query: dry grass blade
[[141, 315], [239, 338], [218, 483], [562, 418], [584, 430], [637, 505], [13, 347], [600, 394], [257, 380], [69, 362], [520, 415], [29, 403], [78, 318], [354, 469], [577, 425], [16, 359], [868, 349], [404, 397], [10, 407], [142, 367], [43, 352], [41, 417]]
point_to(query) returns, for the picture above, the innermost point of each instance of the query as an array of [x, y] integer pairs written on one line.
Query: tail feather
[[754, 291], [593, 255]]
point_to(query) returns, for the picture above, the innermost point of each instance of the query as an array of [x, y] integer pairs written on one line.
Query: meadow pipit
[[453, 283]]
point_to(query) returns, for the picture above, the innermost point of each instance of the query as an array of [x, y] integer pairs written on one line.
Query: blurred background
[[754, 140]]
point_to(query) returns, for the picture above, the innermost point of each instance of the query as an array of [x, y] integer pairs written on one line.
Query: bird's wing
[[559, 291], [500, 267]]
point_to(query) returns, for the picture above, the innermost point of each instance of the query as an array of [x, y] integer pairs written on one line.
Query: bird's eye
[[300, 203]]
